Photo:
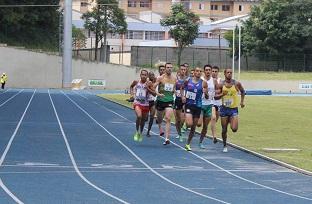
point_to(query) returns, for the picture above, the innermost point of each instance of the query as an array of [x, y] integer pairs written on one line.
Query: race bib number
[[228, 102], [141, 94], [190, 95], [178, 93], [168, 87]]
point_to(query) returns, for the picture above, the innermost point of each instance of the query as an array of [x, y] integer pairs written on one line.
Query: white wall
[[30, 69], [26, 69]]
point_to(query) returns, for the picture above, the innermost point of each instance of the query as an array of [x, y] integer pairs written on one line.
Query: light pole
[[67, 51]]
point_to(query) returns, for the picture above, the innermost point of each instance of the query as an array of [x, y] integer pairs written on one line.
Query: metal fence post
[[304, 62], [208, 60], [137, 57], [152, 58], [193, 57]]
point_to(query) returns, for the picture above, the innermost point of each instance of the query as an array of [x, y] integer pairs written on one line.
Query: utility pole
[[67, 51]]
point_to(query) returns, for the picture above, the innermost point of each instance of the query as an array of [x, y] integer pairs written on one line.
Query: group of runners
[[196, 98]]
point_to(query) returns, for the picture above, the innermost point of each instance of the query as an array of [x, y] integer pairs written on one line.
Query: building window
[[202, 35], [225, 7], [145, 3], [154, 35], [213, 7], [187, 4], [201, 6], [131, 3], [113, 36], [134, 35], [240, 7]]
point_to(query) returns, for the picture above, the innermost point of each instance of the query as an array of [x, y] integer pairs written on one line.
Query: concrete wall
[[30, 69], [116, 76], [26, 69]]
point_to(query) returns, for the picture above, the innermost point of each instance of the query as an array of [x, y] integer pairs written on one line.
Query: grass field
[[275, 75], [270, 122]]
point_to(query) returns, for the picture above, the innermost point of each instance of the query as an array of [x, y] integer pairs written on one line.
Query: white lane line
[[74, 161], [9, 146], [80, 95], [11, 97], [227, 171], [4, 91], [10, 193], [15, 131], [140, 160], [130, 167]]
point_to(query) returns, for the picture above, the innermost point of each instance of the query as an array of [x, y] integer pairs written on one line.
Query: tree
[[32, 27], [105, 18], [79, 39], [184, 26], [279, 27]]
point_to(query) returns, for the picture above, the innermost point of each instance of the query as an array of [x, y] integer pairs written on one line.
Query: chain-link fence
[[115, 54], [149, 57]]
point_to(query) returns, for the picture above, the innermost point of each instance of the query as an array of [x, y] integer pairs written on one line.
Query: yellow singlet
[[230, 100]]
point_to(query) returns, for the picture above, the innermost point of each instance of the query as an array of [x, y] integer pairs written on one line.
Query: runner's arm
[[205, 89], [242, 93], [135, 82], [219, 94], [150, 88], [158, 80]]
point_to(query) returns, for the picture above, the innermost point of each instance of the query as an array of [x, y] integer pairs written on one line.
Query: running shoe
[[225, 149], [136, 136], [148, 134], [181, 139], [188, 147], [161, 133], [215, 140], [178, 136], [140, 137], [201, 146], [166, 142]]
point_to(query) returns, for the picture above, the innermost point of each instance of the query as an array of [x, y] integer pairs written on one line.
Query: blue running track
[[72, 147]]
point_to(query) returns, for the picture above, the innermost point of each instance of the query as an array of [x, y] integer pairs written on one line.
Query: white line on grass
[[8, 147], [140, 160], [74, 161], [11, 97], [227, 171]]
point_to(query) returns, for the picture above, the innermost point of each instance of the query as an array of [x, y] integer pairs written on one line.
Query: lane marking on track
[[10, 193], [219, 167], [9, 146], [72, 158], [11, 97], [139, 159]]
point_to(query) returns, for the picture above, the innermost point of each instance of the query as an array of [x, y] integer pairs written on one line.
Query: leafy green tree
[[32, 27], [279, 27], [105, 18], [184, 26], [79, 38]]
